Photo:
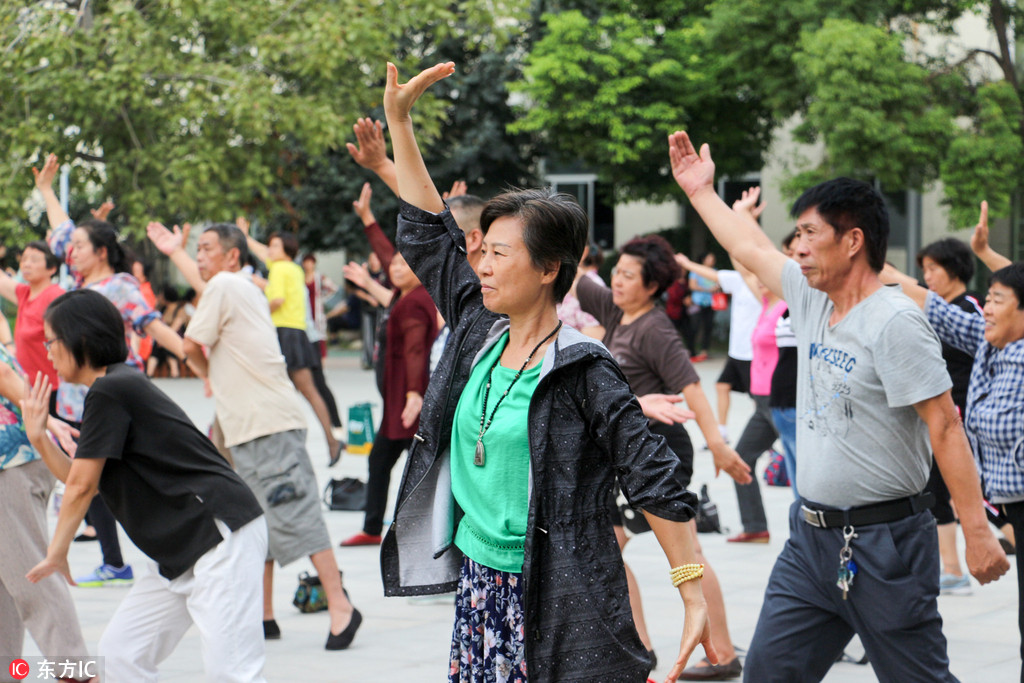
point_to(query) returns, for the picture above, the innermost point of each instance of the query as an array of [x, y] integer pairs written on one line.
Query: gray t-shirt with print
[[859, 438]]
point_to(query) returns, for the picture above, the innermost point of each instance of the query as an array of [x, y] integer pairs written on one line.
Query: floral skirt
[[488, 638]]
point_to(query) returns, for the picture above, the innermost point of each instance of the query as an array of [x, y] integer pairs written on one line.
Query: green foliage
[[985, 161], [189, 110], [873, 109], [608, 90]]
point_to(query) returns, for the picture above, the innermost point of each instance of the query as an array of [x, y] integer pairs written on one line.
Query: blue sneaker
[[105, 575], [951, 584]]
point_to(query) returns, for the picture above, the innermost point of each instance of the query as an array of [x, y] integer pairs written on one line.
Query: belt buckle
[[815, 518]]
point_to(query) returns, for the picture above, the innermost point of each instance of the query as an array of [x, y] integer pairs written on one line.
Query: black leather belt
[[876, 513]]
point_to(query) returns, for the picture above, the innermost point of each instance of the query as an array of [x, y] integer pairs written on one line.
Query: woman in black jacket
[[524, 427]]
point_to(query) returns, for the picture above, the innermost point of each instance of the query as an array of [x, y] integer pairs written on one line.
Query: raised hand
[[186, 230], [166, 241], [399, 98], [44, 177], [459, 188], [370, 151], [747, 203], [243, 224], [692, 171], [101, 212], [362, 205], [35, 407], [684, 262], [979, 239], [357, 273]]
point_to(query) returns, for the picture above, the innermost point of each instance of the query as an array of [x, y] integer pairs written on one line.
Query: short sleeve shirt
[[859, 438], [287, 281], [648, 350], [163, 479], [28, 331], [253, 394], [744, 311]]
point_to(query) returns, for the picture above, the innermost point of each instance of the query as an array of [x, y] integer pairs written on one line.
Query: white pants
[[222, 594]]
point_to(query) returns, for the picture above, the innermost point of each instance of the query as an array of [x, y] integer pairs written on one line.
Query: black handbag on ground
[[345, 494], [707, 514]]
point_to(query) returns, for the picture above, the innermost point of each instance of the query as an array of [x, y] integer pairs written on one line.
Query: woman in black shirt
[[175, 496]]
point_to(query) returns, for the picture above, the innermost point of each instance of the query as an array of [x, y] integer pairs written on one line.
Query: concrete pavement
[[405, 639]]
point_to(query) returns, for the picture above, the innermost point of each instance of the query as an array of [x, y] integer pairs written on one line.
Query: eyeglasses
[[47, 343]]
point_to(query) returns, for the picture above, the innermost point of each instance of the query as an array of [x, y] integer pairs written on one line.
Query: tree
[[608, 86], [192, 109]]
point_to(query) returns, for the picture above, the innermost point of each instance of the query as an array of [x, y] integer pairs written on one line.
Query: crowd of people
[[542, 415]]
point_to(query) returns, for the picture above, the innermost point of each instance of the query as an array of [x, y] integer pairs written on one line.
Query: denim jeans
[[785, 424]]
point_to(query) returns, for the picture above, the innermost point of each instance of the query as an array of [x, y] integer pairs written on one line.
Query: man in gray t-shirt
[[872, 395]]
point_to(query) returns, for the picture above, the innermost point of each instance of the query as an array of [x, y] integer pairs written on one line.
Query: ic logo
[[19, 669]]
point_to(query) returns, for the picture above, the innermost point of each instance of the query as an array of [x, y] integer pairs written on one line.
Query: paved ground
[[404, 640]]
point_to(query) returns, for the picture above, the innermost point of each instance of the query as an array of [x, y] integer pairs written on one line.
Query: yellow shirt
[[287, 281]]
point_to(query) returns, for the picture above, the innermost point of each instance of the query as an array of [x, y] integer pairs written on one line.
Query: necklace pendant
[[478, 457]]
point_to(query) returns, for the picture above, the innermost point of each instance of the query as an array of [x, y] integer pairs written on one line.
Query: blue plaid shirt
[[995, 398]]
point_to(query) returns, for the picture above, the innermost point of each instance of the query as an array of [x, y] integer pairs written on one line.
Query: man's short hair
[[52, 262], [89, 327], [467, 209], [846, 204], [1011, 276], [230, 237], [952, 255]]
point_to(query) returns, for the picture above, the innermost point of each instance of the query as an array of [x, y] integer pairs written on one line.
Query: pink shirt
[[766, 352]]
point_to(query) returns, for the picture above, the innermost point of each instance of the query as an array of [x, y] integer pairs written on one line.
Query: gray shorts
[[277, 469]]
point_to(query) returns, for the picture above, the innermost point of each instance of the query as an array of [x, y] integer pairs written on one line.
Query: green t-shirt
[[494, 497]]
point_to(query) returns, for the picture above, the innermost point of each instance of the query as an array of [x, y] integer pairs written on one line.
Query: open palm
[[691, 170]]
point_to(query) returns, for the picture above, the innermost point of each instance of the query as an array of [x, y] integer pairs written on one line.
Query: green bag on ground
[[360, 429]]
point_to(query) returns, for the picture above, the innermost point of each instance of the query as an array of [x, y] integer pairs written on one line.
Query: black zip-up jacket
[[585, 429]]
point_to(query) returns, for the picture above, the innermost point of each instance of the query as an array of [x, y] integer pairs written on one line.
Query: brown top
[[411, 328], [648, 350]]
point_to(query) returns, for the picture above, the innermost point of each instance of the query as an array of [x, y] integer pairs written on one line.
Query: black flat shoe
[[342, 640], [333, 459], [271, 631]]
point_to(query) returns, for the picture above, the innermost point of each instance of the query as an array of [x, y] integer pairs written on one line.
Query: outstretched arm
[[172, 245], [706, 272], [979, 243], [741, 237], [258, 249], [371, 152], [55, 213], [891, 276], [414, 183]]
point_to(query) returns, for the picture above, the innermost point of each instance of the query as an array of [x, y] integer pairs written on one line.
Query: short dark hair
[[555, 230], [470, 207], [52, 262], [659, 263], [595, 257], [289, 243], [103, 235], [846, 204], [89, 327], [230, 237], [952, 255], [1011, 276]]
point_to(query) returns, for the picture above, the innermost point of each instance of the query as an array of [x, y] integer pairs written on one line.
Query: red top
[[411, 328], [146, 343], [28, 332]]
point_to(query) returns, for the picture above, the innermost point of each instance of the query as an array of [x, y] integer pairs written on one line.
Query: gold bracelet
[[686, 572]]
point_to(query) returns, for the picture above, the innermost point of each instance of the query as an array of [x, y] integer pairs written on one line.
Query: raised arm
[[379, 242], [979, 243], [414, 183], [891, 276], [172, 245], [742, 238], [55, 213], [706, 272], [359, 274], [258, 249], [371, 152]]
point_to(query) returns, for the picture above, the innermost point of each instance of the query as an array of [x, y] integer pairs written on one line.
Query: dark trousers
[[892, 604], [684, 326], [1014, 512], [383, 456], [102, 519], [705, 323], [758, 436], [320, 382]]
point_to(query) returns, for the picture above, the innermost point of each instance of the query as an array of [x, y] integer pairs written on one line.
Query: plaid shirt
[[995, 402]]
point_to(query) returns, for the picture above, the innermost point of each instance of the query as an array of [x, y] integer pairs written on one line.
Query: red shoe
[[699, 358], [750, 537], [361, 538]]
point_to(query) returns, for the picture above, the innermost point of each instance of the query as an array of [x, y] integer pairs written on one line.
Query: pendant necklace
[[478, 456]]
